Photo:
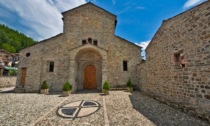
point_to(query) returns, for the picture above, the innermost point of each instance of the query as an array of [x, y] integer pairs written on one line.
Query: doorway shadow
[[162, 114]]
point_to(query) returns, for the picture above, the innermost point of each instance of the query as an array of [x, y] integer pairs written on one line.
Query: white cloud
[[191, 3], [64, 5], [39, 19], [144, 46]]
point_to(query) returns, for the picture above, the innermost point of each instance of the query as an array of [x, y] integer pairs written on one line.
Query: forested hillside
[[13, 41]]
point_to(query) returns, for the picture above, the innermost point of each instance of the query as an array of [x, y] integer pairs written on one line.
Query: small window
[[28, 54], [84, 42], [95, 42], [125, 65], [179, 60], [51, 66], [90, 40]]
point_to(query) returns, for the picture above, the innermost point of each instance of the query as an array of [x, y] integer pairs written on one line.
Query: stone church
[[86, 54]]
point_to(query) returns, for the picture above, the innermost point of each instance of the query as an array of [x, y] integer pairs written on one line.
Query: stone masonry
[[71, 56], [9, 81], [177, 70]]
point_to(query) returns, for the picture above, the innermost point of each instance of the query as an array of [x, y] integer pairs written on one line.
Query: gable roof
[[89, 3], [160, 28], [129, 42], [45, 40]]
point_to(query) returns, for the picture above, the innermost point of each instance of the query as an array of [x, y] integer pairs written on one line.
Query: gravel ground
[[24, 109], [136, 109], [123, 109]]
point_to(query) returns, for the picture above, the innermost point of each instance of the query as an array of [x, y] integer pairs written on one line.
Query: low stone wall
[[8, 81]]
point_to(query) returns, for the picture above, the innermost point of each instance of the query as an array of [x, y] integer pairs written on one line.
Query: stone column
[[104, 71], [72, 76]]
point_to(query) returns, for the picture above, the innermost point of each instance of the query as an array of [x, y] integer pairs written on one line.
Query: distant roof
[[89, 3], [2, 50]]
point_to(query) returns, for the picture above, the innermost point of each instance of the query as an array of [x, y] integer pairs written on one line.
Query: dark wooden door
[[90, 77], [23, 76]]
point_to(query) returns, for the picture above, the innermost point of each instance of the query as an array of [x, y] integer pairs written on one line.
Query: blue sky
[[138, 20]]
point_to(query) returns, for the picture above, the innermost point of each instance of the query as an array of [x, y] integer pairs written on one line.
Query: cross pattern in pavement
[[78, 109]]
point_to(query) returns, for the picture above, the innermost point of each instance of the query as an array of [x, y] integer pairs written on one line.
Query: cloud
[[113, 2], [39, 19], [144, 46], [64, 5], [123, 11], [191, 3]]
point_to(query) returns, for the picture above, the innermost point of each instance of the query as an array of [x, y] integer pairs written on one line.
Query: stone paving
[[120, 108], [23, 109]]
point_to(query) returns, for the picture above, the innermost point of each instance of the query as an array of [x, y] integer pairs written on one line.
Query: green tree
[[13, 41], [8, 47]]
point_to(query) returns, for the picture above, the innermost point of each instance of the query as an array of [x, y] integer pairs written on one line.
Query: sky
[[138, 20]]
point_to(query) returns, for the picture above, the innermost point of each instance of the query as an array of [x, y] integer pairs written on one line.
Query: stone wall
[[9, 81], [177, 70]]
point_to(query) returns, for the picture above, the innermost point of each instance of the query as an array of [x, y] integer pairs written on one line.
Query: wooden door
[[90, 77], [23, 76]]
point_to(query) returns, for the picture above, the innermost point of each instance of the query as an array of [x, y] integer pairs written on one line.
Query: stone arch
[[87, 55]]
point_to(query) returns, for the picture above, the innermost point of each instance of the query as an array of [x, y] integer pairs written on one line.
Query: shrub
[[12, 72], [67, 86], [106, 86], [129, 83], [44, 85]]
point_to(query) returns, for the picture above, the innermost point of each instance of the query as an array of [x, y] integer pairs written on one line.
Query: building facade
[[86, 54], [177, 69], [7, 59]]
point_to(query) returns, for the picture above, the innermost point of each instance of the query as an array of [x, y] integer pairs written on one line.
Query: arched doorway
[[90, 77], [83, 56], [89, 69]]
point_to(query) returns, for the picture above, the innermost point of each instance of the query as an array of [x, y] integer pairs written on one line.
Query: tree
[[13, 41]]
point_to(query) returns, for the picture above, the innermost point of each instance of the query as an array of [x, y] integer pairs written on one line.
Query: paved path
[[117, 109]]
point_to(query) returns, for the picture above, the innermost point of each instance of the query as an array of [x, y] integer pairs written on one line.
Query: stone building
[[177, 69], [86, 54], [7, 59]]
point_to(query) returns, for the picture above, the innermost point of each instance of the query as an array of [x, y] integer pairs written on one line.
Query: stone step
[[20, 90], [118, 88]]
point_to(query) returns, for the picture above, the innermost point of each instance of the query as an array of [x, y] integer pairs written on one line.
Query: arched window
[[84, 42], [95, 42], [90, 40]]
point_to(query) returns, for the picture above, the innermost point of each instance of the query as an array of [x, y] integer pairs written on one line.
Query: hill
[[13, 41]]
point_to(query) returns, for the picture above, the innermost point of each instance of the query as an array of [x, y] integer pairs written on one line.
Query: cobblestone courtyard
[[120, 108]]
